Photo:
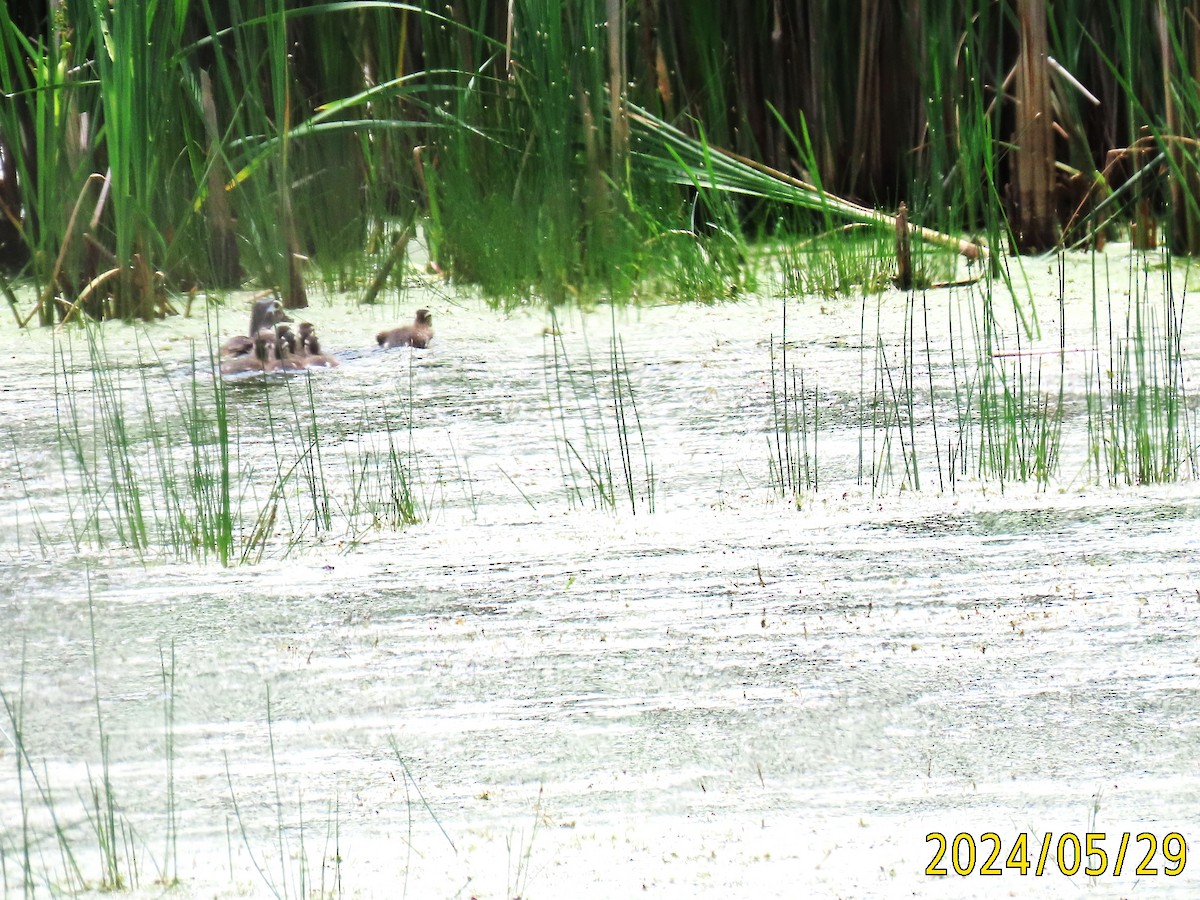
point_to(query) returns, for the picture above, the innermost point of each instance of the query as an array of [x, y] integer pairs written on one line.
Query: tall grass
[[980, 406], [92, 829], [200, 142], [795, 426], [1141, 429], [985, 400], [384, 473], [56, 840], [594, 415], [38, 811], [190, 466], [170, 870]]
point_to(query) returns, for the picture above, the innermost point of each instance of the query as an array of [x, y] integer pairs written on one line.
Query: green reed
[[210, 141], [995, 404], [382, 474], [295, 877], [795, 426], [96, 828], [113, 834], [170, 871], [591, 469], [837, 263], [976, 406], [1020, 419], [38, 798], [53, 842], [592, 410], [1140, 427], [190, 466], [637, 473]]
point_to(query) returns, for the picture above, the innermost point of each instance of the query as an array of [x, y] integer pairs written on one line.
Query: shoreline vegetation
[[547, 153]]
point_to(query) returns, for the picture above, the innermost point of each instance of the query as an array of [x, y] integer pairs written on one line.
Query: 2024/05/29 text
[[1069, 854]]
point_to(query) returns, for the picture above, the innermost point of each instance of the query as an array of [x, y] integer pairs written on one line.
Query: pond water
[[532, 692]]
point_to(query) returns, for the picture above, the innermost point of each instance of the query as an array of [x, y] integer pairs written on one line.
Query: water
[[523, 695]]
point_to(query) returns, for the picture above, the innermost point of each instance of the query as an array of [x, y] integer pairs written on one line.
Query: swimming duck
[[285, 341], [261, 360], [286, 357], [310, 348], [266, 313], [418, 334], [236, 346]]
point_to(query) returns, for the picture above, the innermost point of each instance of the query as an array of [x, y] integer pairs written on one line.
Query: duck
[[286, 357], [284, 338], [267, 312], [290, 357], [418, 334], [310, 348], [237, 346], [261, 360]]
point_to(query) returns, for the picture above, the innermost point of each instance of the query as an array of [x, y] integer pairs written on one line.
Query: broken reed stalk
[[904, 273], [969, 249], [88, 289], [62, 251], [827, 201], [385, 271]]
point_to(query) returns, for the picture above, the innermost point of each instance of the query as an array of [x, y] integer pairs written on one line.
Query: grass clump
[[595, 418]]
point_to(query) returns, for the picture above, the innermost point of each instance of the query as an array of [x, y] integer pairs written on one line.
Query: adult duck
[[267, 312]]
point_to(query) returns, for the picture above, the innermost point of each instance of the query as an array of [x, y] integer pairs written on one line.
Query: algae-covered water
[[531, 693]]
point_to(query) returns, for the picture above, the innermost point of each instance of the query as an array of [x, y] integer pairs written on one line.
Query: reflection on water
[[525, 695]]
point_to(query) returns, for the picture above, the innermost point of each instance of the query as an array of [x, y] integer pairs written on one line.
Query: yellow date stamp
[[1094, 853]]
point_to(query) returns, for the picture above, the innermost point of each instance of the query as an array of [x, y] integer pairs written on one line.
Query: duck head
[[267, 313]]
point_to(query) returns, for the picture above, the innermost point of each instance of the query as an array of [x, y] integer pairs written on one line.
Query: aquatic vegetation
[[980, 394], [1141, 427], [795, 421], [91, 829], [591, 410], [295, 877], [203, 468], [384, 474]]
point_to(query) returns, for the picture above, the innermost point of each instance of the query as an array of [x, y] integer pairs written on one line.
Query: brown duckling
[[310, 348], [308, 334], [285, 341], [266, 313], [418, 334], [238, 345], [287, 359], [262, 360]]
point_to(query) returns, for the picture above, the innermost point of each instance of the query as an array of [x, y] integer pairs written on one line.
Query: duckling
[[310, 348], [287, 360], [236, 346], [284, 340], [307, 334], [418, 334], [262, 360], [266, 313]]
